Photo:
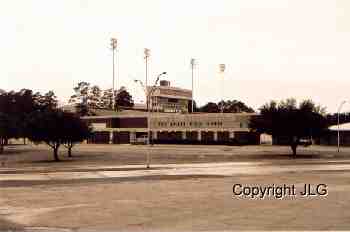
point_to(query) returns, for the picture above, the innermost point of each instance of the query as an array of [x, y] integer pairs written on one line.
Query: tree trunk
[[55, 153], [70, 151], [294, 145], [2, 145], [294, 149]]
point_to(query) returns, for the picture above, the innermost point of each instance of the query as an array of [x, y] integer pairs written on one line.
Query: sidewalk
[[205, 169]]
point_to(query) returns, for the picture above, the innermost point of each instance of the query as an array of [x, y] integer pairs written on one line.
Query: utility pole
[[114, 43], [149, 93], [147, 53]]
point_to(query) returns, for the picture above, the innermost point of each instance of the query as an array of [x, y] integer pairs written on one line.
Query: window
[[172, 100]]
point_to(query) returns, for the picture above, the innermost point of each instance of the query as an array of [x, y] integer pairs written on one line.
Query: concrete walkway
[[219, 169]]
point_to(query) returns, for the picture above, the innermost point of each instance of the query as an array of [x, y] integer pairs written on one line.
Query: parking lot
[[187, 188]]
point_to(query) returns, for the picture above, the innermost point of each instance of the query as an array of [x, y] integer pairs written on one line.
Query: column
[[155, 135], [232, 134], [183, 135], [199, 135], [215, 136], [111, 137], [132, 136]]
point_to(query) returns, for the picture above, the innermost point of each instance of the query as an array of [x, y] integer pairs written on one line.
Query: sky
[[273, 49]]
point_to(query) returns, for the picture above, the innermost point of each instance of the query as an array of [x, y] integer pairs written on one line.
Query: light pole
[[114, 44], [339, 108], [222, 68], [193, 63], [148, 96], [147, 53]]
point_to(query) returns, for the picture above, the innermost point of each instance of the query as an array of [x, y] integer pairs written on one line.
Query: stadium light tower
[[222, 68], [193, 64], [114, 43], [339, 109]]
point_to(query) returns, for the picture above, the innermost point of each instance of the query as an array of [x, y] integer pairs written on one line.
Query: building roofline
[[158, 114], [170, 87], [342, 127]]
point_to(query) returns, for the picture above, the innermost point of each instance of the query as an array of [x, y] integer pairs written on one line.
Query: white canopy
[[342, 127]]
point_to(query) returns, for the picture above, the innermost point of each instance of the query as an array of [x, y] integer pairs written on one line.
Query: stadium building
[[170, 122], [206, 128], [165, 98]]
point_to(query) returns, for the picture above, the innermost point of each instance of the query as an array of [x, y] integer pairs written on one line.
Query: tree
[[76, 131], [5, 111], [3, 131], [210, 107], [16, 106], [81, 98], [48, 101], [46, 127], [234, 107], [53, 128], [94, 97], [7, 130], [286, 119], [123, 98], [81, 92], [106, 98], [88, 98], [227, 106]]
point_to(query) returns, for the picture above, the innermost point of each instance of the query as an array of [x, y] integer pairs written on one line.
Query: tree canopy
[[210, 107], [287, 119], [55, 128], [35, 116], [123, 98], [229, 106], [15, 108], [88, 98]]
